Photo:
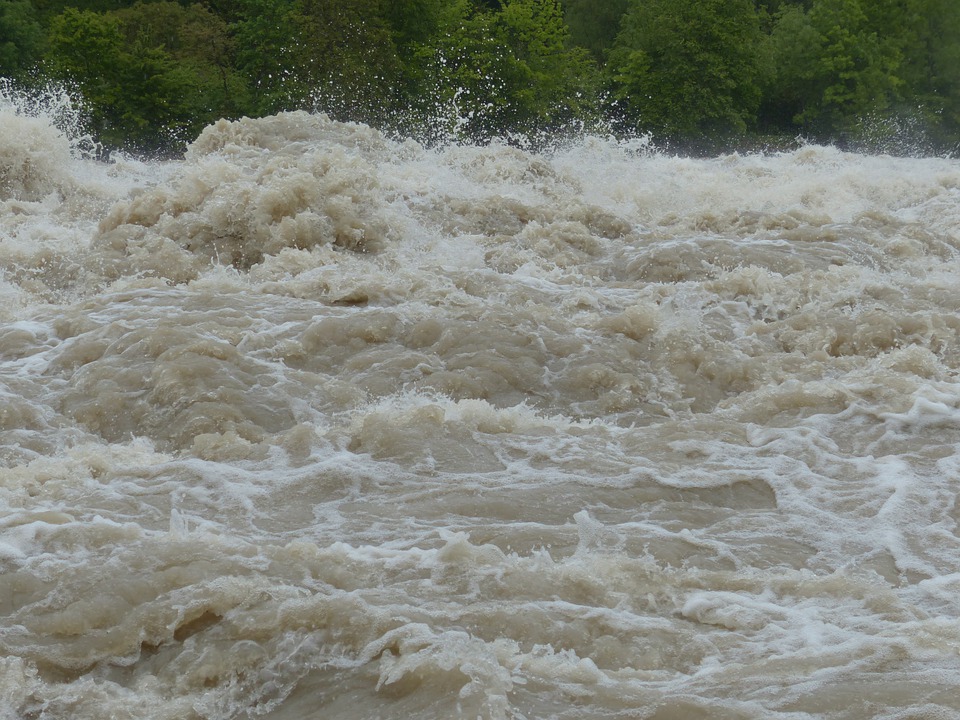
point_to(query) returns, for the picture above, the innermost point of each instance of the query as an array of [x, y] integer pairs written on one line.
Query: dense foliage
[[698, 73]]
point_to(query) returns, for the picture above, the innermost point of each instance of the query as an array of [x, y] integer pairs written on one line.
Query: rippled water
[[317, 424]]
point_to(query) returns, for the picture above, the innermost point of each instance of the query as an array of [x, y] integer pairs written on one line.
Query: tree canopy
[[21, 37], [701, 74], [690, 68]]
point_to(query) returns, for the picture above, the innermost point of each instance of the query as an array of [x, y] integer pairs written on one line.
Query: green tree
[[594, 24], [833, 67], [88, 46], [509, 71], [353, 67], [415, 23], [199, 44], [689, 70], [794, 83], [50, 8], [268, 36], [930, 69], [562, 78], [21, 37], [332, 55], [139, 96]]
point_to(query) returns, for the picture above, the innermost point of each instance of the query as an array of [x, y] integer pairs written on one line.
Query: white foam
[[576, 434]]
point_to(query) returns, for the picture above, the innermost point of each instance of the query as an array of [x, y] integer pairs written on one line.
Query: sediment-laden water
[[318, 424]]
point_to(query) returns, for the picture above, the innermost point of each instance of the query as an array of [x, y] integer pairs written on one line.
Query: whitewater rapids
[[314, 423]]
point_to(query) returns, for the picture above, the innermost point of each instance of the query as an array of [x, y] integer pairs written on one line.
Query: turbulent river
[[314, 423]]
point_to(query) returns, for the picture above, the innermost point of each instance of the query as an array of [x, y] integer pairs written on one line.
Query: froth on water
[[315, 423]]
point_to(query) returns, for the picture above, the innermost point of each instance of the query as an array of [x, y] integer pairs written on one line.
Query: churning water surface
[[318, 424]]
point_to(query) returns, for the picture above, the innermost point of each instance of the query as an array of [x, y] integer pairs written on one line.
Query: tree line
[[698, 74]]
